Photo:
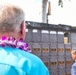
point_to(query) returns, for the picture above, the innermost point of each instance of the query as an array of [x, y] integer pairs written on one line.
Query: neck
[[10, 34]]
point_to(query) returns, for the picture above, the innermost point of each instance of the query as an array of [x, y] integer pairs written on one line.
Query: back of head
[[73, 51], [11, 18]]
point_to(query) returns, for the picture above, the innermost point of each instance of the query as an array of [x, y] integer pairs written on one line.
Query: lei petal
[[12, 42]]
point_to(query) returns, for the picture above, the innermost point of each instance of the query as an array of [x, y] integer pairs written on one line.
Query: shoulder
[[26, 61], [74, 66], [73, 69], [33, 59], [35, 64]]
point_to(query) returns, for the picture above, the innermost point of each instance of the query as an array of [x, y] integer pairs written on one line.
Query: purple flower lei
[[12, 42]]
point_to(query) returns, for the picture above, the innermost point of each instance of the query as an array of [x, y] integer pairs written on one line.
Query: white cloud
[[65, 15], [33, 10]]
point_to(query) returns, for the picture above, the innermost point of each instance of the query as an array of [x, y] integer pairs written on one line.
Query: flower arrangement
[[12, 42]]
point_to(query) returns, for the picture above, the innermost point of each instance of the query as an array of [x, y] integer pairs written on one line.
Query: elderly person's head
[[73, 53], [12, 22]]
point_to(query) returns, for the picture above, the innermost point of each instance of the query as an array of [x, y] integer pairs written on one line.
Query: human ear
[[22, 30]]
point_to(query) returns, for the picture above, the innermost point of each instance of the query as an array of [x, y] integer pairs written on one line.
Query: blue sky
[[33, 11]]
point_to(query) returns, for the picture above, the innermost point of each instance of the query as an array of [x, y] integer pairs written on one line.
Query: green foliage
[[60, 2]]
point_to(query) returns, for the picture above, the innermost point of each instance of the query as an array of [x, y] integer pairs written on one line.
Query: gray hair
[[11, 18], [73, 51]]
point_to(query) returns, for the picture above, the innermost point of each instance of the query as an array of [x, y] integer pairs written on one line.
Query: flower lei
[[12, 42]]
